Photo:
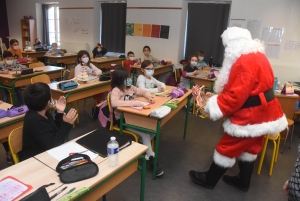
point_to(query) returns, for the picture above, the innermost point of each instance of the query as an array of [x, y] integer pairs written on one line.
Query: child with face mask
[[15, 49], [147, 55], [147, 81], [99, 51], [54, 51], [130, 61], [83, 59], [189, 70], [10, 65], [123, 94], [201, 64]]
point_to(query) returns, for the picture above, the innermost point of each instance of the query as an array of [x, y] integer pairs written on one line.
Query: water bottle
[[210, 63], [113, 152]]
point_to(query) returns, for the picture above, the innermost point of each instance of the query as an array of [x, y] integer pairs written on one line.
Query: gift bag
[[288, 89]]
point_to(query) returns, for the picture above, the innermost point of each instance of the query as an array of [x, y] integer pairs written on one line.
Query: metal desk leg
[[187, 115], [156, 149], [121, 123], [104, 197], [143, 177]]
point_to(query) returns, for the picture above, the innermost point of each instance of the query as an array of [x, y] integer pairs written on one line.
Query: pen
[[53, 196], [70, 191]]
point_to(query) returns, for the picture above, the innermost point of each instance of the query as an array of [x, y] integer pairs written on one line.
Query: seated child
[[84, 64], [40, 131], [201, 64], [6, 147], [99, 51], [16, 50], [123, 94], [189, 70], [54, 51], [147, 55], [147, 81], [8, 65], [130, 61]]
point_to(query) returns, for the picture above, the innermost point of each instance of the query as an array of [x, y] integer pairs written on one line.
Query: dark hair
[[130, 52], [119, 75], [80, 54], [98, 44], [146, 63], [200, 52], [37, 95], [7, 54], [12, 41], [146, 47], [36, 39]]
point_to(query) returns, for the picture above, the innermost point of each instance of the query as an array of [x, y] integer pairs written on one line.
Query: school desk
[[104, 63], [158, 70], [9, 81], [89, 89], [209, 83], [34, 54], [54, 60], [141, 120], [288, 104], [7, 124]]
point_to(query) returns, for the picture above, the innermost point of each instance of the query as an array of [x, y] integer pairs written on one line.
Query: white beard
[[233, 51]]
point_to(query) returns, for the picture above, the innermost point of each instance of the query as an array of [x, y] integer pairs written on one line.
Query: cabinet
[[28, 32]]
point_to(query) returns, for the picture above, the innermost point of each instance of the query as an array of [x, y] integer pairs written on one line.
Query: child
[[38, 44], [83, 59], [147, 81], [16, 50], [130, 61], [99, 51], [5, 67], [189, 70], [123, 94], [40, 131], [6, 147], [201, 64], [54, 51], [146, 55]]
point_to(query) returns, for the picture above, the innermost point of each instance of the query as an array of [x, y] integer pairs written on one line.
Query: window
[[53, 24]]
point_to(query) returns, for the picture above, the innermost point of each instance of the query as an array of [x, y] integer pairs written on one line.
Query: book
[[11, 188], [97, 141]]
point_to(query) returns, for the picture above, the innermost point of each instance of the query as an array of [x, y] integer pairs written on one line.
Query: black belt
[[253, 101]]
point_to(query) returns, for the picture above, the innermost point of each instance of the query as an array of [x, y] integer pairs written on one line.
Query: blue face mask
[[128, 82]]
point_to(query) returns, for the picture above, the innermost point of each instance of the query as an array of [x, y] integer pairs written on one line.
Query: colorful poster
[[129, 29], [138, 29], [164, 31], [146, 30], [155, 33]]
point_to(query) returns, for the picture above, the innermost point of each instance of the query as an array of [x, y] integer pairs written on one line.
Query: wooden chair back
[[37, 64], [15, 142], [41, 78]]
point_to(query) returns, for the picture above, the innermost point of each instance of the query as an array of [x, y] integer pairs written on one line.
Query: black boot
[[241, 181], [210, 178], [159, 171]]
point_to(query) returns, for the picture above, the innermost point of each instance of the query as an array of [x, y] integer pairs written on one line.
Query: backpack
[[104, 116], [170, 80]]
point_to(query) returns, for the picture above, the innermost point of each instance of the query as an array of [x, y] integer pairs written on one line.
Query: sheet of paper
[[64, 150], [143, 102], [11, 189], [254, 27]]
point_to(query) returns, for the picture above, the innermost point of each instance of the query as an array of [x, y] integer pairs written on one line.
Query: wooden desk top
[[279, 95], [59, 56], [45, 69], [157, 67], [33, 52], [5, 106], [159, 101], [32, 172], [53, 86], [205, 73], [104, 60]]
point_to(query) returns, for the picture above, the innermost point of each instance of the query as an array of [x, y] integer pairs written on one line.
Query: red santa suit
[[246, 73]]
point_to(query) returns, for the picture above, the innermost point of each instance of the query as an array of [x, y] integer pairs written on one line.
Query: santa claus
[[245, 97]]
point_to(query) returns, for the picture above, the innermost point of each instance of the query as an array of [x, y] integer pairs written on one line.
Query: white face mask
[[131, 58], [149, 72], [54, 48], [16, 47], [9, 62], [85, 60], [147, 53], [200, 58], [194, 63]]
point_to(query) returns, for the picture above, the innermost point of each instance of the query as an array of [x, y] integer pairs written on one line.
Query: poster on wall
[[272, 34], [291, 45], [146, 30], [272, 50], [237, 23], [254, 27], [155, 33], [138, 29], [164, 31], [129, 29]]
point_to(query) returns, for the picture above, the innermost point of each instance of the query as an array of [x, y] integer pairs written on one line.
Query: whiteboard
[[76, 29]]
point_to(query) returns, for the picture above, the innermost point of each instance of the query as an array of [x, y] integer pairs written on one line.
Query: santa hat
[[232, 33]]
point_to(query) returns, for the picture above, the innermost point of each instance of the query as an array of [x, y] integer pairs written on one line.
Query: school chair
[[15, 141], [37, 64], [123, 63], [290, 123], [117, 128], [276, 141]]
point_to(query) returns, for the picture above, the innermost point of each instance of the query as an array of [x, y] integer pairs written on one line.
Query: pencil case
[[38, 195], [17, 110], [76, 167], [3, 113]]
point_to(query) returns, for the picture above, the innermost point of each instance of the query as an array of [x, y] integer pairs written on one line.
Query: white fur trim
[[222, 160], [233, 51], [255, 130], [232, 33], [247, 157], [212, 108]]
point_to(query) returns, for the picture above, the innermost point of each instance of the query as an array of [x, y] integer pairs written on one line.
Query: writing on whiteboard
[[73, 20], [81, 31]]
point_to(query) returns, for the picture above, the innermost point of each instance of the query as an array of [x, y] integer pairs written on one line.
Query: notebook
[[11, 188], [97, 141]]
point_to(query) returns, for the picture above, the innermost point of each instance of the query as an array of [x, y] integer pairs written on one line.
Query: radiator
[[286, 73]]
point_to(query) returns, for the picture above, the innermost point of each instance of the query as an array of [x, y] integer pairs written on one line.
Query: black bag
[[70, 173], [95, 112], [27, 71], [39, 195], [104, 77]]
